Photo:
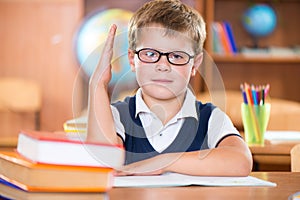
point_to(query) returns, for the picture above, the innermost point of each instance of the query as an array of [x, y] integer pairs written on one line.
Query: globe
[[259, 20], [90, 38]]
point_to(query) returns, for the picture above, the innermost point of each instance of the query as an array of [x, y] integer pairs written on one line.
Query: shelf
[[284, 35], [255, 59], [277, 67]]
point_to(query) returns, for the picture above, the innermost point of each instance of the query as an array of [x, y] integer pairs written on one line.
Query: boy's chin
[[162, 92]]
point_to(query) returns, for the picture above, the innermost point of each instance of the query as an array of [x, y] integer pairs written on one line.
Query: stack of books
[[223, 38], [56, 165], [78, 125]]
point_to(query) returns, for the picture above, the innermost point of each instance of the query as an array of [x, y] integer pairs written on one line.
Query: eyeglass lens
[[152, 56]]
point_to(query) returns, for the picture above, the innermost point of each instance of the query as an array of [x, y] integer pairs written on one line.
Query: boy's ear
[[197, 62], [131, 59]]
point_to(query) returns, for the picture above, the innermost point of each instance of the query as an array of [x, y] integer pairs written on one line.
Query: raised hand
[[102, 74], [100, 119]]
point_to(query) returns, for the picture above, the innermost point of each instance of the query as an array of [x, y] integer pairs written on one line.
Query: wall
[[36, 43]]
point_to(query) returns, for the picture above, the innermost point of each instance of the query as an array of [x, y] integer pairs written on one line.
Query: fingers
[[141, 168], [107, 51], [109, 43], [102, 72], [123, 173]]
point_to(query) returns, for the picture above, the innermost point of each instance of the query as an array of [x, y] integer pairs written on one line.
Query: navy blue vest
[[191, 137]]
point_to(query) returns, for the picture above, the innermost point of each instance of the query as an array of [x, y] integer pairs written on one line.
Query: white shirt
[[161, 136]]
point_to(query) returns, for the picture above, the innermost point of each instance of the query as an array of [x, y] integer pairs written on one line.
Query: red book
[[223, 37], [68, 149]]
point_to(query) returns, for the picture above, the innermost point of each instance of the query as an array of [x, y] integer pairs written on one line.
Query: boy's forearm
[[232, 158], [100, 119], [222, 161]]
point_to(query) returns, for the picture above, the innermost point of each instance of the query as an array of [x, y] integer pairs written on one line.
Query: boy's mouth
[[162, 81]]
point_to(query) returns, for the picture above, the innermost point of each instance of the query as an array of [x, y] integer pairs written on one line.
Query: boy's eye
[[177, 56], [150, 53]]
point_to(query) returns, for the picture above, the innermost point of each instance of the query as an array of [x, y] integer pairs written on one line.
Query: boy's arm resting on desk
[[232, 157]]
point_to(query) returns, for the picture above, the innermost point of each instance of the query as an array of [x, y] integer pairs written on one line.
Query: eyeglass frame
[[163, 54]]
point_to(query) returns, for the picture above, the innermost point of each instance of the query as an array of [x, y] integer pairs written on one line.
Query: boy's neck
[[165, 109]]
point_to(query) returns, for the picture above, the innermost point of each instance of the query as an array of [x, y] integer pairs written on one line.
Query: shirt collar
[[186, 110], [140, 104]]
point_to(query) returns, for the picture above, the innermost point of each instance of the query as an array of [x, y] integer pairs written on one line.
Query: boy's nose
[[163, 64]]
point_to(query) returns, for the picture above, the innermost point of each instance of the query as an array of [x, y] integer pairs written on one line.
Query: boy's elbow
[[244, 162], [244, 166], [240, 165]]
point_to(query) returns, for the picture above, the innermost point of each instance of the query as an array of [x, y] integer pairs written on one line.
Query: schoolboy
[[163, 127]]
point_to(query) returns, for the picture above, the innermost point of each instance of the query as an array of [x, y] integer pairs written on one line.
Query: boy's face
[[163, 80]]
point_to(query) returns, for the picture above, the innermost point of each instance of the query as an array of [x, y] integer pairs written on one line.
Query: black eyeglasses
[[149, 55]]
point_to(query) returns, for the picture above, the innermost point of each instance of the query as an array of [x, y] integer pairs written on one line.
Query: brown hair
[[172, 15]]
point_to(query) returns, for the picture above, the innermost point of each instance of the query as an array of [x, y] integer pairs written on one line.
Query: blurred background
[[47, 46]]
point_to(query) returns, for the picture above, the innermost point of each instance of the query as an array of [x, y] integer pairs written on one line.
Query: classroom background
[[43, 80]]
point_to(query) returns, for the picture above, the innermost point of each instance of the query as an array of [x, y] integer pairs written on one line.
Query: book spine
[[224, 39], [230, 37], [217, 43]]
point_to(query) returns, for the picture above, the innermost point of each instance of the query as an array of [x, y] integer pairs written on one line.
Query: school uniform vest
[[191, 137]]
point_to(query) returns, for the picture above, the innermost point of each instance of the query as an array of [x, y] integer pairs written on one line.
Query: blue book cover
[[4, 182], [228, 29]]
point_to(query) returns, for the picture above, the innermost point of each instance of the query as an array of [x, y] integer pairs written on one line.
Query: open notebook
[[175, 179]]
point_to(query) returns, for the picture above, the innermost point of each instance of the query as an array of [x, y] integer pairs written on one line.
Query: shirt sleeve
[[219, 126], [118, 125]]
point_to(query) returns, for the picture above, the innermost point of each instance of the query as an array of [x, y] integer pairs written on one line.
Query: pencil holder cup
[[255, 121]]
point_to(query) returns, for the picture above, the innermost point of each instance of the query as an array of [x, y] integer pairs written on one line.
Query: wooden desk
[[272, 157], [287, 183]]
